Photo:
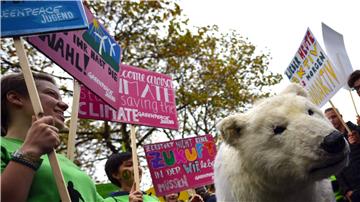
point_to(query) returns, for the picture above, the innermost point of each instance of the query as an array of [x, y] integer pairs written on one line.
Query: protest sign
[[314, 71], [92, 56], [20, 18], [181, 164], [335, 48], [145, 98]]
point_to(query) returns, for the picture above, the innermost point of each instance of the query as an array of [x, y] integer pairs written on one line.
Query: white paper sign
[[335, 49], [311, 68]]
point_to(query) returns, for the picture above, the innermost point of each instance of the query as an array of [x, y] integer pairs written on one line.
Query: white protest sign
[[335, 49], [314, 71]]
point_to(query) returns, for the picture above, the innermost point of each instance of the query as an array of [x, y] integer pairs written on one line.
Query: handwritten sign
[[181, 164], [145, 98], [314, 71], [92, 56], [37, 17]]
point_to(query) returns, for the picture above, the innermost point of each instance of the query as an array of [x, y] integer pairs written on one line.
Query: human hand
[[354, 137], [196, 198], [348, 195], [41, 138], [135, 195]]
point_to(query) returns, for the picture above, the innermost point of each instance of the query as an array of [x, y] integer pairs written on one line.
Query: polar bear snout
[[333, 143]]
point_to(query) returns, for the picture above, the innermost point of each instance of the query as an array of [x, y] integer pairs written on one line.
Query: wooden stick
[[73, 122], [353, 103], [340, 118], [135, 158], [36, 103]]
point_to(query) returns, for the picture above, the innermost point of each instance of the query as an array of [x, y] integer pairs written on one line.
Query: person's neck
[[342, 129], [125, 187], [17, 130]]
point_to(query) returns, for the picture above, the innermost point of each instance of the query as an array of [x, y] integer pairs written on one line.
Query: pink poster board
[[92, 56], [145, 98], [181, 164]]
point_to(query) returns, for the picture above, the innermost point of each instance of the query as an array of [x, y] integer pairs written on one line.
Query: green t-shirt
[[43, 188], [123, 196]]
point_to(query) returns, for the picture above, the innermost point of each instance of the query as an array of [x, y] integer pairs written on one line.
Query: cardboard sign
[[37, 17], [145, 98], [181, 164], [314, 71], [92, 56], [335, 48]]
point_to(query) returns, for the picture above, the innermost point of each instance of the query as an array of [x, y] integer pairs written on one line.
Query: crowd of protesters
[[347, 182], [26, 139]]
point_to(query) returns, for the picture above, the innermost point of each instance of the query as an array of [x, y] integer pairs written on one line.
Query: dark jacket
[[349, 177]]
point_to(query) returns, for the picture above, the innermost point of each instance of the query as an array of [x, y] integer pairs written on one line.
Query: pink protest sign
[[181, 164], [92, 56], [145, 98]]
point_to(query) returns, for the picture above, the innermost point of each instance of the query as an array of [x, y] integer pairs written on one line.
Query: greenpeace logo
[[199, 177], [166, 121], [109, 92]]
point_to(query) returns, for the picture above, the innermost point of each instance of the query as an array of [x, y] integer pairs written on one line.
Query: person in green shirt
[[26, 174], [119, 169]]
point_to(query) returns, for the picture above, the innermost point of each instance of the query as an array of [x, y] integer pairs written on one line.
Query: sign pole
[[134, 158], [35, 100], [73, 122], [352, 98], [340, 118]]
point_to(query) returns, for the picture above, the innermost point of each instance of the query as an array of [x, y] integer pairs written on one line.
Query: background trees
[[214, 73]]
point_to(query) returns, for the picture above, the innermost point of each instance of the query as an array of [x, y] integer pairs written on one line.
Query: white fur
[[255, 165]]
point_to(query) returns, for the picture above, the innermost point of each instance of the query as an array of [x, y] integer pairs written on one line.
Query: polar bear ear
[[295, 89], [232, 127]]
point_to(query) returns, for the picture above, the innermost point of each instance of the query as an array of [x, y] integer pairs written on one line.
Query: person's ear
[[116, 176], [15, 99]]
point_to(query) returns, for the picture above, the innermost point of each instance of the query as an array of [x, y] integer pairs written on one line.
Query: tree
[[214, 73]]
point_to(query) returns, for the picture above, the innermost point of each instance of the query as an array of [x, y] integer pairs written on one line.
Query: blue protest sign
[[20, 18]]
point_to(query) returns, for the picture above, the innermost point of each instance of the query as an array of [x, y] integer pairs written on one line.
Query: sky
[[278, 26]]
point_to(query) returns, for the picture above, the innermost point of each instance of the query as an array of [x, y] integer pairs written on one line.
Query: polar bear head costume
[[283, 149]]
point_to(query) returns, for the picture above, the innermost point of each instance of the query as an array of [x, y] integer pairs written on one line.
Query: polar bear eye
[[279, 129], [310, 112]]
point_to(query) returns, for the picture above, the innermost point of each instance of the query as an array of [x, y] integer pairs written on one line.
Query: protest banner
[[92, 56], [335, 49], [314, 71], [181, 164], [19, 18], [145, 98]]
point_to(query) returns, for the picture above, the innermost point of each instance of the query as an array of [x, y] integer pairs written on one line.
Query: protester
[[26, 174], [211, 193], [349, 178], [119, 169], [202, 191], [354, 83], [174, 197], [336, 122], [196, 198]]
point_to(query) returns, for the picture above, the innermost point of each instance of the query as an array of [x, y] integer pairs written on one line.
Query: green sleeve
[[111, 199], [99, 198], [5, 158]]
